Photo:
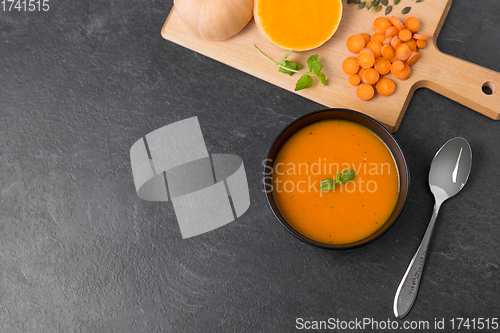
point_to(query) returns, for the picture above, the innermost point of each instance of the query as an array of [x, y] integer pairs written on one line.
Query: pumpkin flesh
[[298, 24]]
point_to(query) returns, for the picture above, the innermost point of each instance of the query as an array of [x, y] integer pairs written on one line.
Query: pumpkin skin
[[298, 25], [214, 19]]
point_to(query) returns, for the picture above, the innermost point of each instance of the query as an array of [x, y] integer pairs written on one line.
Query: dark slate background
[[80, 252]]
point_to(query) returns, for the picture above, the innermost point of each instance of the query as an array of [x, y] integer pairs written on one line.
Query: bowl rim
[[304, 238]]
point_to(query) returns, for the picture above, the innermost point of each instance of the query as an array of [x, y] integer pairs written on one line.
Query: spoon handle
[[408, 288]]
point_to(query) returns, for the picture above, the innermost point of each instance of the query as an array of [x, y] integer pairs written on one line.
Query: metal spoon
[[449, 172]]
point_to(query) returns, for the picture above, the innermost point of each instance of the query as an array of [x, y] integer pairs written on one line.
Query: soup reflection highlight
[[352, 211]]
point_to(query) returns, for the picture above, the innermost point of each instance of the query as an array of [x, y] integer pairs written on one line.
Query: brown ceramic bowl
[[344, 114]]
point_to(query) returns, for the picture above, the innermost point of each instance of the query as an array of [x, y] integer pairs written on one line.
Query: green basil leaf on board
[[322, 78], [282, 61], [289, 65], [314, 65], [305, 81]]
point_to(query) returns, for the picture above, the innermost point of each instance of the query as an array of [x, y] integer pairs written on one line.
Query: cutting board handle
[[462, 81]]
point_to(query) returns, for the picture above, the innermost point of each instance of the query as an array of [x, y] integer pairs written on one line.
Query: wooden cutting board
[[454, 78]]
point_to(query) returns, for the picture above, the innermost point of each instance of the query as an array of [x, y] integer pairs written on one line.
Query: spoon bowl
[[450, 168], [449, 172]]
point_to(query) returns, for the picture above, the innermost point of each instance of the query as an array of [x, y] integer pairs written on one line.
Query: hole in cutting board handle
[[488, 88]]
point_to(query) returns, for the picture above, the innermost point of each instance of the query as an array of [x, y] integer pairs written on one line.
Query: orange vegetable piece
[[413, 58], [363, 81], [354, 79], [405, 35], [350, 66], [385, 86], [394, 59], [388, 52], [382, 65], [365, 91], [395, 42], [403, 52], [376, 47], [361, 72], [366, 37], [421, 37], [370, 76], [378, 37], [391, 31], [366, 58], [412, 44], [381, 24], [397, 23], [398, 66], [366, 50], [421, 44], [355, 43], [412, 24], [387, 41], [403, 74]]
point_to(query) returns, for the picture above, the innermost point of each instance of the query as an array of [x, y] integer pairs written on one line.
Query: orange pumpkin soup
[[352, 211]]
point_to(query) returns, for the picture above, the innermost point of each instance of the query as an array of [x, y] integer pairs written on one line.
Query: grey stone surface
[[80, 252]]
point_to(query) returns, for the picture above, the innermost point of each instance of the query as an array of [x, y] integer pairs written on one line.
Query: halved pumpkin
[[299, 25]]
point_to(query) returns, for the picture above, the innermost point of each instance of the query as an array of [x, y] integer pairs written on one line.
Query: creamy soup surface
[[352, 211]]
